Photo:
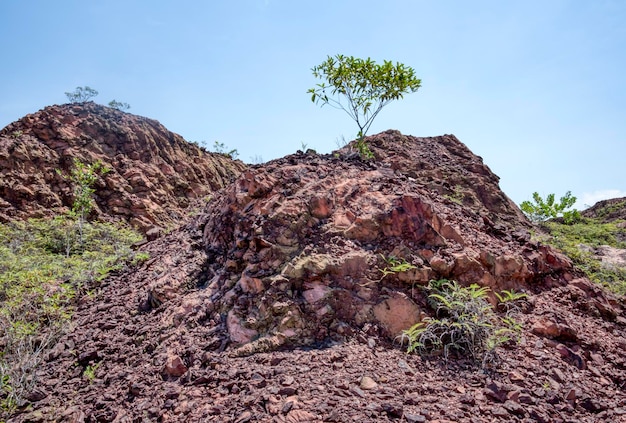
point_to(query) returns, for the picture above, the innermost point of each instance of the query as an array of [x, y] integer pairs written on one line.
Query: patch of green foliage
[[464, 323], [572, 239], [365, 86], [44, 267], [542, 210], [395, 265]]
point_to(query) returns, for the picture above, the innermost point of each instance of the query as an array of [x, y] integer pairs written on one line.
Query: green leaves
[[366, 86], [464, 322], [542, 210]]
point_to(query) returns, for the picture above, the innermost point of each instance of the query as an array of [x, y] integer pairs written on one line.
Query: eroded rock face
[[154, 176], [289, 255], [296, 246]]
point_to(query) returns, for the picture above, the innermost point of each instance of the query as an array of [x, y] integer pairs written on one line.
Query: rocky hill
[[608, 210], [154, 176], [273, 304]]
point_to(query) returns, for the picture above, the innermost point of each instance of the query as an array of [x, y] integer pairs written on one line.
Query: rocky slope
[[154, 176], [271, 306], [607, 210]]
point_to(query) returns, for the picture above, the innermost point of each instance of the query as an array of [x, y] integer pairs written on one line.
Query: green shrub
[[220, 148], [542, 210], [119, 105], [464, 323], [395, 265]]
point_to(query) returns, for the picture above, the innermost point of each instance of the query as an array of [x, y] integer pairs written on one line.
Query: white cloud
[[588, 199]]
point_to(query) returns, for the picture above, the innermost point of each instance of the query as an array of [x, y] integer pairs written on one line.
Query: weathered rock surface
[[270, 306], [155, 174], [296, 247]]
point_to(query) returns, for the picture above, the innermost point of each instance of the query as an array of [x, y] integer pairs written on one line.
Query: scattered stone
[[514, 408], [414, 418], [367, 383], [174, 366]]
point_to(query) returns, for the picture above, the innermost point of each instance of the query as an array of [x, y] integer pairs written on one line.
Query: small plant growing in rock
[[84, 177], [81, 94], [542, 210], [17, 134], [365, 86], [464, 323], [90, 372], [119, 105], [395, 265]]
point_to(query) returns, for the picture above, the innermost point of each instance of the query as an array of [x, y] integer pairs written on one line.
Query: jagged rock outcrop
[[288, 255], [296, 247], [154, 176]]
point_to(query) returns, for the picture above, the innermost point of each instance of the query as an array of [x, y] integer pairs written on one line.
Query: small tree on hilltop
[[81, 94], [119, 105], [367, 87]]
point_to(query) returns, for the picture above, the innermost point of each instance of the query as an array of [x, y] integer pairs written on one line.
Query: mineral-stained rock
[[154, 174], [307, 236], [286, 264]]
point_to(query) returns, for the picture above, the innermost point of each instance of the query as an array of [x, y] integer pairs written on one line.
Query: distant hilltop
[[154, 173]]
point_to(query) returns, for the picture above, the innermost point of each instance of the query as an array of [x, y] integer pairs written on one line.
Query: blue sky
[[536, 88]]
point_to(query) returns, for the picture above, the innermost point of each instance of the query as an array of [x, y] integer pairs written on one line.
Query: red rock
[[154, 174], [397, 313], [174, 366]]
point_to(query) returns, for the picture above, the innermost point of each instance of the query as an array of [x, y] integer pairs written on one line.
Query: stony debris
[[271, 305]]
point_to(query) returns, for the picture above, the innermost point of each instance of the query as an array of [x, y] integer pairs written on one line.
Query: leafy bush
[[464, 322], [39, 283], [367, 87], [84, 176], [542, 210], [81, 94]]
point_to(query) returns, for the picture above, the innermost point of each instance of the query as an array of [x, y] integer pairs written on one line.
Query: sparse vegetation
[[464, 323], [542, 210], [221, 148], [365, 85], [81, 94], [578, 241], [39, 282], [90, 372], [119, 105], [84, 176], [17, 134], [395, 265]]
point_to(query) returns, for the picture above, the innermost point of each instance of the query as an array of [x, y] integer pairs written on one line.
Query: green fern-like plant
[[464, 323], [395, 265]]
